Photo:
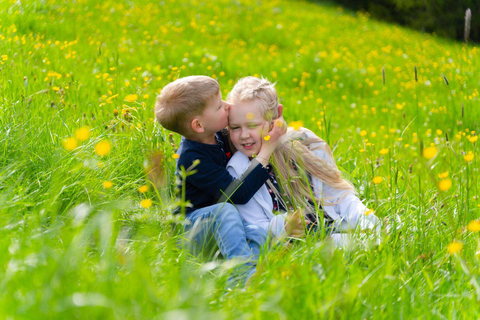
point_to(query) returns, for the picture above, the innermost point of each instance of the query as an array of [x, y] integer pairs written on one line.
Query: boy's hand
[[294, 224]]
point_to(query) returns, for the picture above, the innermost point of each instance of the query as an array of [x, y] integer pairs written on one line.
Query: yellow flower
[[296, 124], [430, 152], [143, 189], [250, 116], [107, 184], [266, 138], [70, 144], [363, 133], [444, 185], [83, 133], [469, 157], [474, 226], [131, 98], [146, 203], [369, 212], [443, 175], [175, 156], [454, 247], [55, 88], [377, 180], [103, 148], [383, 151], [473, 139]]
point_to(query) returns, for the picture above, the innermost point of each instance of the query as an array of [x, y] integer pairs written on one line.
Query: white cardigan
[[349, 213]]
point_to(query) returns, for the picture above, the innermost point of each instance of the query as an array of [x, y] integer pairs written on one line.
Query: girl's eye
[[252, 125], [233, 128]]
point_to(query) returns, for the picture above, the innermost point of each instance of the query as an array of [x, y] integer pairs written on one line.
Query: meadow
[[87, 175]]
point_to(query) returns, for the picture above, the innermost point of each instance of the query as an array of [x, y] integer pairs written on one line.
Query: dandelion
[[143, 189], [377, 180], [430, 152], [103, 148], [131, 98], [70, 144], [443, 175], [369, 212], [444, 185], [383, 151], [363, 133], [175, 156], [146, 203], [474, 226], [266, 138], [107, 184], [469, 156], [83, 133], [296, 125], [454, 247]]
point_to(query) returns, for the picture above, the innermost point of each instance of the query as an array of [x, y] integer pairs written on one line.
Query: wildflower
[[469, 157], [454, 247], [143, 189], [107, 184], [146, 203], [55, 88], [296, 125], [363, 133], [377, 180], [443, 175], [250, 116], [369, 212], [444, 185], [473, 139], [474, 226], [103, 148], [83, 133], [131, 98], [383, 151], [175, 156], [430, 152], [266, 138], [70, 144]]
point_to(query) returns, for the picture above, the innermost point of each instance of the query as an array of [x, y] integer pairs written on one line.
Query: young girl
[[303, 171]]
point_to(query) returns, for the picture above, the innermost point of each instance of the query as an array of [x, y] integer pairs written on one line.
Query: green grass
[[73, 248]]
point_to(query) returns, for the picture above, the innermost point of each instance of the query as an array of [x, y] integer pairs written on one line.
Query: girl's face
[[247, 127]]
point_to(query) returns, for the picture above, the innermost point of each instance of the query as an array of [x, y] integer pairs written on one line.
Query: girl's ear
[[197, 126], [280, 110]]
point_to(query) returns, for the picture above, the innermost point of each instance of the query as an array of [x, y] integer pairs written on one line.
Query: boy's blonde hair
[[253, 88], [183, 99], [294, 159]]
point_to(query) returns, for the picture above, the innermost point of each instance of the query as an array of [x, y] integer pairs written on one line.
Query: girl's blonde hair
[[293, 160]]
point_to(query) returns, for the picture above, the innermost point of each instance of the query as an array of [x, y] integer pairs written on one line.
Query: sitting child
[[302, 170], [193, 107]]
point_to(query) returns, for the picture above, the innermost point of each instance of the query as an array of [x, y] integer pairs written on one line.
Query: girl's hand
[[295, 224]]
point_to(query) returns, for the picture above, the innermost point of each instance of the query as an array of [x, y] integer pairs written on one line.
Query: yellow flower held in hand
[[444, 185], [296, 125], [430, 152], [469, 156], [83, 133], [266, 138], [131, 98], [454, 247], [103, 148], [143, 189], [70, 144], [377, 180], [146, 203], [474, 226], [107, 184]]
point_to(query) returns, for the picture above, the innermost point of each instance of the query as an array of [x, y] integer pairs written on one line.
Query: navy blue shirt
[[210, 182]]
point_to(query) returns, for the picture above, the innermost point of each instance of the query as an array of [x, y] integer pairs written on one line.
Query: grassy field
[[85, 234]]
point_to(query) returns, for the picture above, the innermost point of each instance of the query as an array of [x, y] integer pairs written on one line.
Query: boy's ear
[[197, 126], [280, 110]]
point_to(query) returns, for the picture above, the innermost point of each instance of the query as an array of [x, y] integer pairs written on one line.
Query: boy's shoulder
[[191, 150]]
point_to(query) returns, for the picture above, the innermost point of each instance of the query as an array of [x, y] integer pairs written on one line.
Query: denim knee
[[256, 233]]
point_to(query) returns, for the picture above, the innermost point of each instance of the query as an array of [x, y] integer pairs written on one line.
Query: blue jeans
[[221, 225]]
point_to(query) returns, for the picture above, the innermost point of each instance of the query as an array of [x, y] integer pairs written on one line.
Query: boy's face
[[215, 115], [247, 127]]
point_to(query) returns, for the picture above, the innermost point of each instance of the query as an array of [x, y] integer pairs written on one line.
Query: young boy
[[193, 107]]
